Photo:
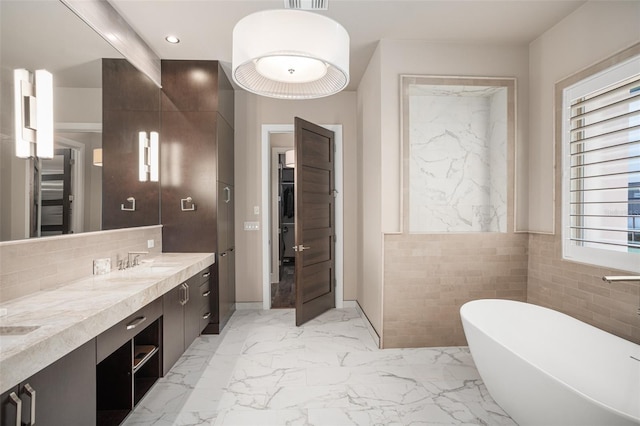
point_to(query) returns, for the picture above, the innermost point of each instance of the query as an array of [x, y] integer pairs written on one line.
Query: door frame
[[267, 129]]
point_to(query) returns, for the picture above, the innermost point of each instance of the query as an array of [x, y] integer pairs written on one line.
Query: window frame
[[595, 78]]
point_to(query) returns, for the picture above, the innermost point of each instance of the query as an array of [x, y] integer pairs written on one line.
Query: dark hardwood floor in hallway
[[283, 293]]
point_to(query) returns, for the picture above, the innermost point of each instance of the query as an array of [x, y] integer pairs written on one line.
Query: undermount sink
[[161, 269], [17, 330]]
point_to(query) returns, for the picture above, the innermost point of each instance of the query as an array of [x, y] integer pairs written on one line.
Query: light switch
[[252, 226]]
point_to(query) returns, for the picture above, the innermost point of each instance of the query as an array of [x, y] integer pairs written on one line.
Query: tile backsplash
[[578, 290], [428, 277], [27, 266]]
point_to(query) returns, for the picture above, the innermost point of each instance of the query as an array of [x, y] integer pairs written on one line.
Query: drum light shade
[[290, 54], [290, 158]]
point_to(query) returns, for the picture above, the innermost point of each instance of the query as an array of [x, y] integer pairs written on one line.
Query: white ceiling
[[205, 26], [45, 34]]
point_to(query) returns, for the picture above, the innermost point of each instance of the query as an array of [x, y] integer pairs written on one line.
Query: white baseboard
[[349, 304]]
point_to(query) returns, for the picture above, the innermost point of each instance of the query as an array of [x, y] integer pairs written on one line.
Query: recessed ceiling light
[[172, 39]]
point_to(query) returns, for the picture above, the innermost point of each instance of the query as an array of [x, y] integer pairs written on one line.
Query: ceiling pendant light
[[290, 54]]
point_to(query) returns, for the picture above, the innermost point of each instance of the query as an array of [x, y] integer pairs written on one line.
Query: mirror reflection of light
[[154, 148], [199, 76], [170, 164], [142, 163], [44, 114], [23, 148]]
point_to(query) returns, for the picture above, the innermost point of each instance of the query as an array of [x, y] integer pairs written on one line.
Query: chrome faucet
[[130, 262], [622, 278], [136, 258]]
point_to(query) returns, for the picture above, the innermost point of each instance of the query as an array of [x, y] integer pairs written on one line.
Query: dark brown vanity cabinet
[[64, 393], [197, 196], [186, 312], [129, 362]]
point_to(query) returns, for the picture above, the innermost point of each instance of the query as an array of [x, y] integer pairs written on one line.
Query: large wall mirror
[[458, 143], [47, 35]]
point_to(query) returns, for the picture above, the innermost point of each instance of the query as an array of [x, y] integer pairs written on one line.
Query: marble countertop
[[65, 318]]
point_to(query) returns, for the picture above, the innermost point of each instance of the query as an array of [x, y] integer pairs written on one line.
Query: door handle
[[300, 248], [31, 392], [136, 322], [206, 316], [184, 202], [18, 403], [206, 293], [227, 191], [186, 292]]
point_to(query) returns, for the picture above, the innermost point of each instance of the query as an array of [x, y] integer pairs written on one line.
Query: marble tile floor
[[263, 370]]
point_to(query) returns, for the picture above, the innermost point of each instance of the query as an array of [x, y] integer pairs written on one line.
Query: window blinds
[[605, 168]]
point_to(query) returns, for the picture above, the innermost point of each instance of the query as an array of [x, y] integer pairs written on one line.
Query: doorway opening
[[272, 146], [283, 288]]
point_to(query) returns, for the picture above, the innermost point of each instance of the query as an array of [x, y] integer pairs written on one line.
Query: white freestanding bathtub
[[547, 368]]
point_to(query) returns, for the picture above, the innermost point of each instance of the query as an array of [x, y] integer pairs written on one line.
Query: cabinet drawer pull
[[206, 293], [183, 294], [31, 392], [206, 274], [136, 322], [206, 316], [18, 402]]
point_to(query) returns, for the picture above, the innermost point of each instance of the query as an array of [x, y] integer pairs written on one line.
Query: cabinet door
[[8, 406], [192, 313], [224, 220], [225, 151], [65, 392], [172, 327], [188, 161], [223, 288]]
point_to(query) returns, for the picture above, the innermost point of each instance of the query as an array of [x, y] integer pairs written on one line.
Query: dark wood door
[[314, 220], [55, 192]]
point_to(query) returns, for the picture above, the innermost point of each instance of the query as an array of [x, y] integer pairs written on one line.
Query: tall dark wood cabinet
[[130, 105], [196, 173]]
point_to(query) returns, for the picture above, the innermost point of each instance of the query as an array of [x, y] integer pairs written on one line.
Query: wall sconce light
[[97, 157], [290, 158], [148, 157], [33, 106]]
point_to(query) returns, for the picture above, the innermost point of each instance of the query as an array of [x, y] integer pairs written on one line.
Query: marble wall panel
[[457, 158]]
